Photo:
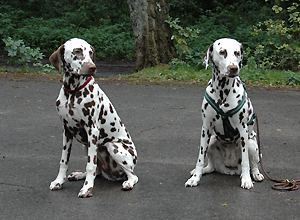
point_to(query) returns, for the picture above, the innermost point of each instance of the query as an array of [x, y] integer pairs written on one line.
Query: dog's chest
[[74, 107], [81, 112], [227, 109]]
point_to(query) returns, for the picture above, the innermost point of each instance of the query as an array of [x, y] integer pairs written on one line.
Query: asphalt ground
[[164, 122]]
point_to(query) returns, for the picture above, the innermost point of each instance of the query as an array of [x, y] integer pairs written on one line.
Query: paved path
[[164, 121]]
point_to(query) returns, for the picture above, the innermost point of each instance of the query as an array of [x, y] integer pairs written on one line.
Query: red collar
[[80, 87]]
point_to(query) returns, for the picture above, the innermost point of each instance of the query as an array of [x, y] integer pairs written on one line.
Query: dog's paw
[[193, 181], [128, 184], [76, 176], [55, 186], [258, 177], [85, 192], [246, 183]]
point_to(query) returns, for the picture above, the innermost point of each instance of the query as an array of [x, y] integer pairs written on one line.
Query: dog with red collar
[[89, 117]]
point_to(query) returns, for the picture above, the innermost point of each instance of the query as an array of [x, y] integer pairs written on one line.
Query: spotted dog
[[227, 136], [90, 118]]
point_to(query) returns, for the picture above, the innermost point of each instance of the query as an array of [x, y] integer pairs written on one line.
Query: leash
[[280, 184]]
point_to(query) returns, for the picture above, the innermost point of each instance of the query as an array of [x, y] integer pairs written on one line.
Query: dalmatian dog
[[90, 118], [227, 136]]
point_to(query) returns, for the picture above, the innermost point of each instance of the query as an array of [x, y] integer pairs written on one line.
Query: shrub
[[20, 54], [180, 35], [220, 23], [281, 50]]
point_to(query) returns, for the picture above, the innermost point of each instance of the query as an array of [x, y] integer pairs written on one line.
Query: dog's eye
[[91, 54], [78, 52], [223, 52], [237, 53]]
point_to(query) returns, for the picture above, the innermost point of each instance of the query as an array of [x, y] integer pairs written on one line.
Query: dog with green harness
[[227, 136]]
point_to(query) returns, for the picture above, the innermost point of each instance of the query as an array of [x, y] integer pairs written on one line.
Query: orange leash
[[280, 184]]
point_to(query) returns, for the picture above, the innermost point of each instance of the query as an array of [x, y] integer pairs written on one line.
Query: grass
[[164, 73], [26, 70], [187, 74]]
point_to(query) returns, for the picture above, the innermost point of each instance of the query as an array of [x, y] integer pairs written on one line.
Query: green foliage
[[106, 25], [188, 74], [83, 13], [46, 68], [252, 74], [111, 40], [108, 40], [180, 35], [292, 79], [226, 20], [281, 50], [187, 11], [103, 23], [166, 73], [22, 55]]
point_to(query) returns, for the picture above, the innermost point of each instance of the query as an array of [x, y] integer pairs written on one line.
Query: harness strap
[[229, 131], [253, 117]]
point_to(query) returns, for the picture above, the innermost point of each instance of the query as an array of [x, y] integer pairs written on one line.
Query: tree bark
[[153, 44]]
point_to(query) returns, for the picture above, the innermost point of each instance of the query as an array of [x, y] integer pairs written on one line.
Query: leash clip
[[289, 181]]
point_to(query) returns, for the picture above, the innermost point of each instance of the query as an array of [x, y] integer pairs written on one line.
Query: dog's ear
[[55, 58], [242, 55], [206, 56], [242, 51], [94, 54]]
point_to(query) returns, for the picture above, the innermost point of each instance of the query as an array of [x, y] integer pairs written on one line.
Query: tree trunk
[[153, 44]]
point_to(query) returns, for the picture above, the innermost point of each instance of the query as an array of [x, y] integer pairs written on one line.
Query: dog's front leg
[[87, 189], [65, 156], [246, 181], [198, 171]]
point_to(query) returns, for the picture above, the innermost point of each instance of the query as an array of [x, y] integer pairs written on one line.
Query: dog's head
[[226, 55], [77, 57]]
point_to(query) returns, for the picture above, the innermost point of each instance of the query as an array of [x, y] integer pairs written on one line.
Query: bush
[[104, 24], [108, 40], [232, 21], [22, 55], [281, 50]]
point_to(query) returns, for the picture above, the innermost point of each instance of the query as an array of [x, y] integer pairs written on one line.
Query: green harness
[[229, 131]]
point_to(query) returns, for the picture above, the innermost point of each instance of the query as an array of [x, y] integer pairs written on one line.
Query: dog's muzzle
[[88, 69], [233, 70]]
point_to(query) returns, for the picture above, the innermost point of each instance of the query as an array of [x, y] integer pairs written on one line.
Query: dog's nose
[[233, 69], [92, 68]]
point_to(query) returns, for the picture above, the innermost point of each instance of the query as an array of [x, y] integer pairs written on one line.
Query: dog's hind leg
[[125, 156]]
